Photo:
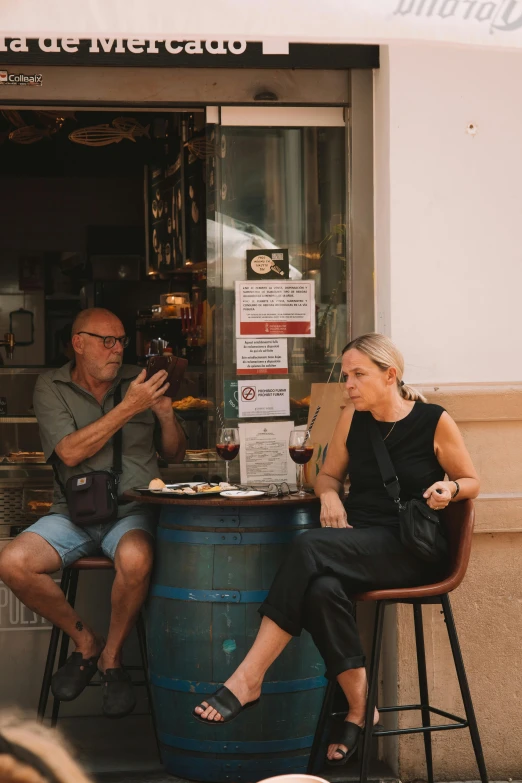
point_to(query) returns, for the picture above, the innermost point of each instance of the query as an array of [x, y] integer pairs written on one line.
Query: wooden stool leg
[[51, 654], [372, 690], [64, 647], [142, 639], [423, 686], [464, 687], [319, 744]]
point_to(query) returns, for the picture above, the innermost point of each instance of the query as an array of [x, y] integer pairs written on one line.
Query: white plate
[[239, 494]]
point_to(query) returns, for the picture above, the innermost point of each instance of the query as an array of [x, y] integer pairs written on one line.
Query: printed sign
[[231, 403], [263, 398], [14, 616], [275, 308], [264, 455], [20, 79], [256, 356], [267, 265]]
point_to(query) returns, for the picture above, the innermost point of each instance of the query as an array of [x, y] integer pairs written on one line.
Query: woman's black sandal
[[347, 733], [228, 706]]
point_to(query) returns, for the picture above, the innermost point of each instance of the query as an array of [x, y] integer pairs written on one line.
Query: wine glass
[[227, 445], [301, 450]]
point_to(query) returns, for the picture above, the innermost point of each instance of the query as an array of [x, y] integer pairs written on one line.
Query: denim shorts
[[72, 542]]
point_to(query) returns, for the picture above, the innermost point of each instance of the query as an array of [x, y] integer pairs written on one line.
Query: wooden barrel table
[[215, 561]]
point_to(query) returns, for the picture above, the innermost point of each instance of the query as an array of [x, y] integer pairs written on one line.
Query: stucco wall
[[448, 208], [487, 606]]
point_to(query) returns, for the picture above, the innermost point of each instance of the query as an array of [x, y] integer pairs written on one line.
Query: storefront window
[[278, 189]]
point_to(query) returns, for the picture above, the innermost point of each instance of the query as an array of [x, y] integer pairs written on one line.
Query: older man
[[78, 418]]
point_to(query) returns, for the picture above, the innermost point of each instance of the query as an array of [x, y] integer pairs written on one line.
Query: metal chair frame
[[69, 586], [459, 518]]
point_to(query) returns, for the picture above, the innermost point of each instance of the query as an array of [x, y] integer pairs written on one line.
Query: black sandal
[[347, 733], [228, 706], [118, 696], [76, 673]]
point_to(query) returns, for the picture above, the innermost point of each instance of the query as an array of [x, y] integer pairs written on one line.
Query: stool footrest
[[458, 723]]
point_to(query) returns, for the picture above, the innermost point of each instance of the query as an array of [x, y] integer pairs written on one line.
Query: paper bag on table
[[332, 399]]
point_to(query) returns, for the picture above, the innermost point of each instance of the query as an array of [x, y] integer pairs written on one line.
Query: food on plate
[[156, 483], [37, 506], [191, 402], [200, 489], [304, 403], [26, 456]]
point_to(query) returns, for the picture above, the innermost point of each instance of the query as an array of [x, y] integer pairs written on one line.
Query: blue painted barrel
[[213, 568]]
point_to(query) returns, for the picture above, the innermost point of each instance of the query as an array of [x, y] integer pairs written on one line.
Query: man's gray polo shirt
[[62, 407]]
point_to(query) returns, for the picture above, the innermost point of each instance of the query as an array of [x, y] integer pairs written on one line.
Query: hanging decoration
[[102, 135], [131, 125], [13, 118], [29, 134], [202, 148]]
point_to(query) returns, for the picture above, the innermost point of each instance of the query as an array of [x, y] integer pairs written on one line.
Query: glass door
[[277, 187]]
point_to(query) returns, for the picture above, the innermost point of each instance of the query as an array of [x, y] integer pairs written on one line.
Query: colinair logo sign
[[20, 79]]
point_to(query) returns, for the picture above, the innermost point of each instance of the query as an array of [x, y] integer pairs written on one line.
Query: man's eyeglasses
[[109, 341]]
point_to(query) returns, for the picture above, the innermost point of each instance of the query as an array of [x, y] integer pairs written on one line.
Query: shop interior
[[150, 214]]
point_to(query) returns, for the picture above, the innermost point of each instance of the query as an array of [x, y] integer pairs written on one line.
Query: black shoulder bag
[[92, 498], [420, 526]]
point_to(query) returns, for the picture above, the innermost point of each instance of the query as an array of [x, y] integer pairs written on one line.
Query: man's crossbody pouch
[[92, 498]]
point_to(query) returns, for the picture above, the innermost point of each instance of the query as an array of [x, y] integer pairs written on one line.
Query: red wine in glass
[[301, 449], [227, 451], [301, 454], [227, 445]]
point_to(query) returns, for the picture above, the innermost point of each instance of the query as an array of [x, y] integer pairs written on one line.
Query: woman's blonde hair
[[47, 749], [385, 354]]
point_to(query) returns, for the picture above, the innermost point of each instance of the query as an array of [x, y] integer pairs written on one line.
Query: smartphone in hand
[[175, 368]]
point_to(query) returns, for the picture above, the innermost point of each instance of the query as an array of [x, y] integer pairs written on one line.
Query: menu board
[[275, 308]]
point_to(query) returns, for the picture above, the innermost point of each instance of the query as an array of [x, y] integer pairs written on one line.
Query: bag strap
[[382, 455], [117, 443], [117, 440]]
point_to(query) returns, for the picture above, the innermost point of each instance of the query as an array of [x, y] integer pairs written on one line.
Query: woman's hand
[[439, 494], [333, 513]]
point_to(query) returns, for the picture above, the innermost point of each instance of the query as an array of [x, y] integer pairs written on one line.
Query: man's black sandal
[[118, 696], [76, 673], [228, 706]]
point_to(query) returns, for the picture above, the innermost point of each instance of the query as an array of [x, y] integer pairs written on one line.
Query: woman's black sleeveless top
[[411, 447]]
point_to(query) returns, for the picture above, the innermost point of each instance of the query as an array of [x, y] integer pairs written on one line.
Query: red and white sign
[[262, 356], [275, 308], [260, 399]]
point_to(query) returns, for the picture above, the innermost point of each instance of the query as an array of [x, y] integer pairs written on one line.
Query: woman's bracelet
[[456, 491]]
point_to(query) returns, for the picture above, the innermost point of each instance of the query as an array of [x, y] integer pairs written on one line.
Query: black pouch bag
[[420, 526], [92, 498]]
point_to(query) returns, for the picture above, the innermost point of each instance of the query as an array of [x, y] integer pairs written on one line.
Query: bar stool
[[459, 520], [69, 585]]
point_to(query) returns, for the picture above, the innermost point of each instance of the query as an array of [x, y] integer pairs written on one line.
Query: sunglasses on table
[[109, 341]]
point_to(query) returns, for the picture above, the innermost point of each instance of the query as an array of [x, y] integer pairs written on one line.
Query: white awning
[[492, 23]]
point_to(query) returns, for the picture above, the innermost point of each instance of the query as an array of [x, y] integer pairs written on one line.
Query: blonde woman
[[358, 546], [30, 753]]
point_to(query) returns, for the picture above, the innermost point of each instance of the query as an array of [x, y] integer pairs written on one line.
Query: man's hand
[[333, 512], [163, 407], [143, 394]]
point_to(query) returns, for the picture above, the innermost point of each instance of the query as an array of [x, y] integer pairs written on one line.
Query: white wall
[[449, 210]]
